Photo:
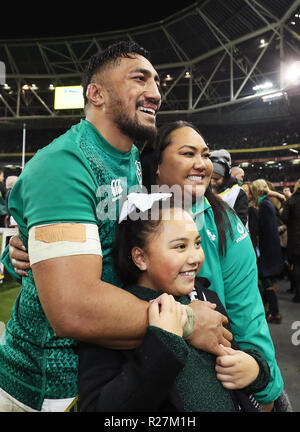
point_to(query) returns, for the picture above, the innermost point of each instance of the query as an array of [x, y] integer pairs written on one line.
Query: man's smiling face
[[133, 97]]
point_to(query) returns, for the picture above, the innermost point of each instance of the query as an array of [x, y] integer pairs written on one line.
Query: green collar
[[105, 145], [200, 206], [260, 199]]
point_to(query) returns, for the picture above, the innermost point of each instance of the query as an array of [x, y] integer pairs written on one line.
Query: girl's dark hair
[[151, 157], [131, 233]]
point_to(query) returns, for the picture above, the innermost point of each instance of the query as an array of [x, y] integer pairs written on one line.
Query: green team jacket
[[234, 278]]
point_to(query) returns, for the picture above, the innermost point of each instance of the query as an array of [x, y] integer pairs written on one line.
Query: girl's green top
[[197, 384]]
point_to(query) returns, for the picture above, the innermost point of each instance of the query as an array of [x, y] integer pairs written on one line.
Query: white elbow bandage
[[63, 239]]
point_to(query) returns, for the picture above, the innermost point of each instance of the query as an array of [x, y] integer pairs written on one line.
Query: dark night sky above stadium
[[86, 17]]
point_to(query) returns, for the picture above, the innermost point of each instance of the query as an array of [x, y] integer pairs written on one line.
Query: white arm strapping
[[49, 247]]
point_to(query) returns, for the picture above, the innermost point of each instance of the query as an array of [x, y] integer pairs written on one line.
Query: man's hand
[[209, 332], [18, 256]]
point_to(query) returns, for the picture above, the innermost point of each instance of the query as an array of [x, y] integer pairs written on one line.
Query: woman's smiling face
[[185, 162]]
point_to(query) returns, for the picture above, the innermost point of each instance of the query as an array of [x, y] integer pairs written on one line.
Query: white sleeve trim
[[41, 251]]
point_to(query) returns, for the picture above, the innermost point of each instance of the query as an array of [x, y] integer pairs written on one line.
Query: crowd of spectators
[[256, 135], [286, 172], [272, 219], [11, 141], [286, 233], [6, 185]]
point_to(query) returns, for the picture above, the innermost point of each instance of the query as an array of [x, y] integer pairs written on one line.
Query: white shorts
[[10, 404]]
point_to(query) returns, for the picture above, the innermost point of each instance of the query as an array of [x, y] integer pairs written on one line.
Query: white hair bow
[[141, 201]]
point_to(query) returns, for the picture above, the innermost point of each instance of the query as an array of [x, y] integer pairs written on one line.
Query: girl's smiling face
[[172, 257]]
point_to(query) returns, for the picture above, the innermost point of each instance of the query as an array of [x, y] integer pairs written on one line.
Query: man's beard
[[132, 128], [137, 132]]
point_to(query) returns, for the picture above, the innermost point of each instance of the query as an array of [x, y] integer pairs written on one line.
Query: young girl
[[158, 257]]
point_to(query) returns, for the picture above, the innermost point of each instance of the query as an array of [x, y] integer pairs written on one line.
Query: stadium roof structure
[[209, 56]]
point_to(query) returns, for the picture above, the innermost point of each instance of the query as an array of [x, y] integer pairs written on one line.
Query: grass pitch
[[9, 290]]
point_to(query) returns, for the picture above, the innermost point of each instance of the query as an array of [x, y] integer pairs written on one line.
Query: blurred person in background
[[224, 185], [287, 192], [3, 208], [277, 199], [238, 173], [10, 181], [252, 216], [9, 220], [270, 263], [290, 214]]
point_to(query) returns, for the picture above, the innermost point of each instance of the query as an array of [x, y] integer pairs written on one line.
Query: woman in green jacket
[[181, 157]]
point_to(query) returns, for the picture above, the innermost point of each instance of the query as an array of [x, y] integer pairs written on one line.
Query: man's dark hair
[[111, 54]]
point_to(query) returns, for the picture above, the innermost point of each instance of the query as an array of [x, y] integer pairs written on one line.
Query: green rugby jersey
[[79, 177]]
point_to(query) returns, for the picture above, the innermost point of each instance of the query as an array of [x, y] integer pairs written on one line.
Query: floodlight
[[263, 86], [262, 43], [292, 74], [272, 96]]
